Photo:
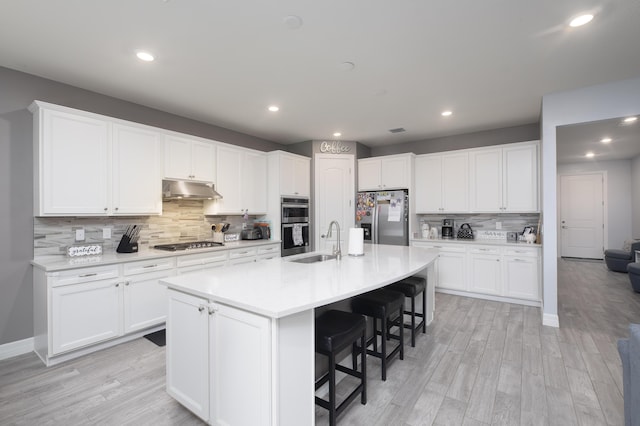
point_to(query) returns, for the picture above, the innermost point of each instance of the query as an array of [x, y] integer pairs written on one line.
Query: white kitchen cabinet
[[71, 175], [290, 173], [224, 346], [85, 313], [384, 173], [188, 359], [136, 171], [485, 270], [241, 178], [521, 273], [505, 179], [189, 159], [452, 269], [442, 183], [242, 255], [202, 261], [271, 251]]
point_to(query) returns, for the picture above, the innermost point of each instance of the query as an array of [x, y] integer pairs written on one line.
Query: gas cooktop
[[187, 246]]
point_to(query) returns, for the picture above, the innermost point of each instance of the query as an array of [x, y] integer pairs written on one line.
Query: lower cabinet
[[219, 361], [502, 272]]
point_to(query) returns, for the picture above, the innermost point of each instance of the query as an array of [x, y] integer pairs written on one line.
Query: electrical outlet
[[106, 233], [80, 234], [498, 225]]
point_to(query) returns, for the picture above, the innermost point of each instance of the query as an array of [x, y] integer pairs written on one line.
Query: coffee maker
[[447, 228]]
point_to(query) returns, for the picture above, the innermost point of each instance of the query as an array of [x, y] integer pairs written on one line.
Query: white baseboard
[[20, 347], [551, 320]]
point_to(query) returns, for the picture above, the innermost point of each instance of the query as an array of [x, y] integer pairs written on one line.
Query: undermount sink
[[315, 258]]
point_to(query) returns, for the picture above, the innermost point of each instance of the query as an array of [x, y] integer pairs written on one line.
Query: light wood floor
[[480, 363]]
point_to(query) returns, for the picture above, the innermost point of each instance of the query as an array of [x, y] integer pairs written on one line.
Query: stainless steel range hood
[[184, 189]]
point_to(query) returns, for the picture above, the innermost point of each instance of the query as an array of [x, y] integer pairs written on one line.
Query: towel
[[297, 235]]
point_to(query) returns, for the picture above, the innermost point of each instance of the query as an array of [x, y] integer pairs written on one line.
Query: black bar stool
[[380, 305], [412, 287], [335, 331]]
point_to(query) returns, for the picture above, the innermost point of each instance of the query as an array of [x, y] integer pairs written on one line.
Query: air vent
[[397, 130]]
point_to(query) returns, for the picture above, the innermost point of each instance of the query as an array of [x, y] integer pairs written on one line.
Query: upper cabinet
[[88, 165], [189, 159], [291, 173], [382, 173], [442, 183], [504, 179], [241, 180]]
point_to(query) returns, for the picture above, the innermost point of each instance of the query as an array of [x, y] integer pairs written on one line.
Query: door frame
[[605, 206]]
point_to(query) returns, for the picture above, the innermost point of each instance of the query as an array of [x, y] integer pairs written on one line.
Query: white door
[[334, 198], [581, 215]]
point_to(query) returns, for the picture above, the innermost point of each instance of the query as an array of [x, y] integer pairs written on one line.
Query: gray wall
[[17, 91], [527, 132]]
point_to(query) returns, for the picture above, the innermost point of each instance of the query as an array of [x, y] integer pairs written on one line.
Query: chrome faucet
[[336, 252]]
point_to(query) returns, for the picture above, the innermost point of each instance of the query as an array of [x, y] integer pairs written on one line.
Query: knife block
[[126, 246], [218, 237]]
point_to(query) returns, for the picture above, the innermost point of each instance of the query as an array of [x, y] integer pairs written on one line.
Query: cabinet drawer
[[523, 252], [144, 266], [484, 250], [269, 250], [202, 258], [77, 276], [243, 252]]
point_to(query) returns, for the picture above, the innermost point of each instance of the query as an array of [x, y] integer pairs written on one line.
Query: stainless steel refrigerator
[[384, 215]]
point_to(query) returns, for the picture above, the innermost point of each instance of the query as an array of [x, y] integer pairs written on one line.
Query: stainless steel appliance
[[384, 216], [447, 228], [187, 246], [295, 225]]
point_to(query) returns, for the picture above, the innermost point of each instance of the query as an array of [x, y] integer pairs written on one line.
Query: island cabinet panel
[[219, 361]]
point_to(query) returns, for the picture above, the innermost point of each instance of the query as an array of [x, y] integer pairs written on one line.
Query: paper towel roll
[[356, 241]]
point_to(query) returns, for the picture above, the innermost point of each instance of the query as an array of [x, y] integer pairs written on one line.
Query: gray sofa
[[617, 260], [629, 350], [634, 275]]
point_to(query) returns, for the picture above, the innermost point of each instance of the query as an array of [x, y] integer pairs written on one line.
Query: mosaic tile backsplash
[[510, 221], [181, 220]]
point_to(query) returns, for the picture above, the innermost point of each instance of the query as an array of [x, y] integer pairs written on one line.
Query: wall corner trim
[[551, 320], [19, 347]]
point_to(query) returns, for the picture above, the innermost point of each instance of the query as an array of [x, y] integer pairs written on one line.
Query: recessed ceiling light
[[589, 154], [337, 134], [581, 20], [274, 108], [292, 22], [346, 66], [605, 140], [145, 56], [446, 113], [630, 120]]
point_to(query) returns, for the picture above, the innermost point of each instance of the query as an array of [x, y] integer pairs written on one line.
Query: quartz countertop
[[279, 287], [61, 263], [487, 242]]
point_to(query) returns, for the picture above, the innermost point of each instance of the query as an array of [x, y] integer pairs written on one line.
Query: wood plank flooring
[[480, 363]]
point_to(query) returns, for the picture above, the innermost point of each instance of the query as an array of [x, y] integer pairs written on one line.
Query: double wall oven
[[295, 225]]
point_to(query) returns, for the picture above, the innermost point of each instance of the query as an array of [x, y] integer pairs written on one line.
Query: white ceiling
[[224, 62]]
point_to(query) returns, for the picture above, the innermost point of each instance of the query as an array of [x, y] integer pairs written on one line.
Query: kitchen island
[[240, 339]]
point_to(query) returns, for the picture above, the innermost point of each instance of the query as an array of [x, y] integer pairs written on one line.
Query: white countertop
[[279, 287], [61, 263], [474, 241]]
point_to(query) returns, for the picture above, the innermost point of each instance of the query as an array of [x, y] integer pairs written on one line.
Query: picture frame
[[528, 230]]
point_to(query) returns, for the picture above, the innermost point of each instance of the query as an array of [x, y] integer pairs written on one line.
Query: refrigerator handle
[[374, 222]]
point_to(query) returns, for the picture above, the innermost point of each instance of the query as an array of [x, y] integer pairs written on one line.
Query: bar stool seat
[[381, 305], [412, 287], [335, 331]]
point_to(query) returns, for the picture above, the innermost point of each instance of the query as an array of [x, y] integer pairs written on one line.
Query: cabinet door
[[241, 376], [486, 180], [455, 182], [395, 172], [428, 184], [203, 161], [521, 278], [136, 171], [177, 158], [520, 178], [369, 175], [451, 271], [301, 177], [254, 182], [145, 301], [188, 352], [485, 274], [228, 178], [74, 175], [84, 314]]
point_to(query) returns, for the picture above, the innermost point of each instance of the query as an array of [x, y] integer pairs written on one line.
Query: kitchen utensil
[[225, 227], [213, 228]]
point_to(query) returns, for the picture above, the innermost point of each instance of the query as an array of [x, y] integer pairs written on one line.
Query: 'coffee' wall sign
[[334, 147]]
